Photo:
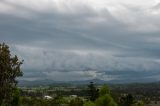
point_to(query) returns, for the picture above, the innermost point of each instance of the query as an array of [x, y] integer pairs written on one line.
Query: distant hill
[[47, 82], [35, 82], [96, 81]]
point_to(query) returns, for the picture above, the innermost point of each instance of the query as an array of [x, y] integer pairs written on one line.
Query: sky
[[67, 40]]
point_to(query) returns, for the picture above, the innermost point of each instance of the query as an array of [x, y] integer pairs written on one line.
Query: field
[[149, 93]]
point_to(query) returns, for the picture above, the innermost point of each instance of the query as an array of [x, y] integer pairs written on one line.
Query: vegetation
[[105, 98], [76, 102], [93, 92], [127, 100], [9, 70], [89, 103]]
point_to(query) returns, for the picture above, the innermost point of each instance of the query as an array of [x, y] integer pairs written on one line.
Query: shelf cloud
[[83, 39]]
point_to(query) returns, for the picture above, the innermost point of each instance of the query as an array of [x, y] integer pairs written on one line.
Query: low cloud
[[83, 39]]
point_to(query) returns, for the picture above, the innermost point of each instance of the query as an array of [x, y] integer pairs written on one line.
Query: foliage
[[89, 103], [93, 92], [105, 100], [27, 101], [104, 90], [16, 98], [76, 102], [9, 70], [127, 100], [139, 103], [58, 101]]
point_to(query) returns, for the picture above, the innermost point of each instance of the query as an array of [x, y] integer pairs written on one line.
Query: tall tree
[[93, 92], [9, 71], [105, 98], [126, 100], [16, 98]]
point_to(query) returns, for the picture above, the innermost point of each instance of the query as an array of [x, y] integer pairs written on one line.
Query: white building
[[47, 97]]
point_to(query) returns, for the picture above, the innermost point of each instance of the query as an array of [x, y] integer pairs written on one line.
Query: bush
[[105, 100], [89, 103], [76, 102]]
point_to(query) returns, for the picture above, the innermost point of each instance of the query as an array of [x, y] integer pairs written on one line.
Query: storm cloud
[[78, 40]]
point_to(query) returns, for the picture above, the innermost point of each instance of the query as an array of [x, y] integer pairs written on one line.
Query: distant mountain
[[96, 81], [47, 82], [35, 82], [50, 82]]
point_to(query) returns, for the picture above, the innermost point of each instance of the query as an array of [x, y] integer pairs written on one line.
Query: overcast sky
[[84, 39]]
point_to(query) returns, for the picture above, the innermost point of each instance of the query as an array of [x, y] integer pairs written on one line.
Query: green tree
[[58, 101], [93, 92], [104, 90], [89, 103], [9, 70], [127, 100], [16, 98], [76, 102], [105, 98], [26, 101]]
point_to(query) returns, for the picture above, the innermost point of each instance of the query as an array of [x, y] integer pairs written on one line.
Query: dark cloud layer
[[74, 41]]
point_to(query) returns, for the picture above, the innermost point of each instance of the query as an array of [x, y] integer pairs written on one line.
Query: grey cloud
[[75, 42]]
